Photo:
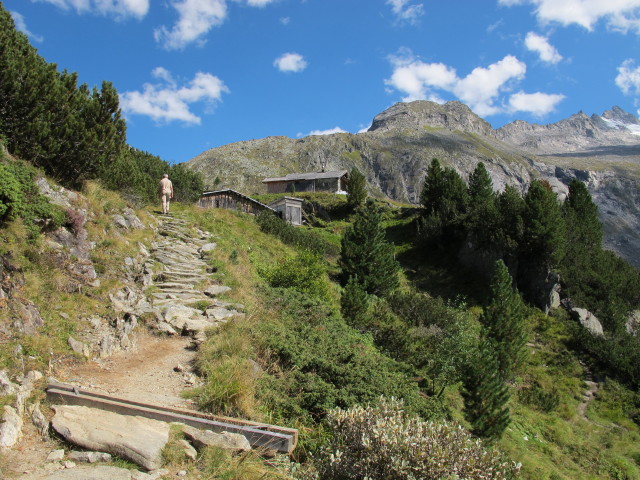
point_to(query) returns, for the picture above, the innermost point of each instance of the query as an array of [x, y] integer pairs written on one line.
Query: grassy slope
[[559, 444]]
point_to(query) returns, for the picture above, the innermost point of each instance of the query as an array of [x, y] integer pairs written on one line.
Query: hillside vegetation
[[391, 336]]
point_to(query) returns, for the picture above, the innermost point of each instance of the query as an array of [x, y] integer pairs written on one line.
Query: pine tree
[[504, 320], [354, 302], [485, 394], [543, 226], [356, 188], [433, 188], [366, 254], [482, 219], [510, 229], [584, 229]]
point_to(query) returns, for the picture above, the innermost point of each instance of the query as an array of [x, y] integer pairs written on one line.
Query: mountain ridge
[[603, 151]]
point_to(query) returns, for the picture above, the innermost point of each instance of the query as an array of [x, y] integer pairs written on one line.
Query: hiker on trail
[[166, 192]]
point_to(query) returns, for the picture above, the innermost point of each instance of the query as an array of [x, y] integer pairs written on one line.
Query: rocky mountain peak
[[422, 113], [616, 114]]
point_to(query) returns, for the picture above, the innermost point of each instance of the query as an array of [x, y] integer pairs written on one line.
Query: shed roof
[[306, 176], [228, 190]]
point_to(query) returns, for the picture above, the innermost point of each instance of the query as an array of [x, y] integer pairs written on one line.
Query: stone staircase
[[184, 293]]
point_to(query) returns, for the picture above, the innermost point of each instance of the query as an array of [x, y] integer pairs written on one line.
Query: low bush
[[318, 363], [382, 442], [304, 273], [20, 198], [287, 233]]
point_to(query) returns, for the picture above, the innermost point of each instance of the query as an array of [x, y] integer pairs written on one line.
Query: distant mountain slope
[[603, 151]]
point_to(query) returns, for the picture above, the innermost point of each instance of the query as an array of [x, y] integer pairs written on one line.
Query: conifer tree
[[584, 229], [504, 320], [432, 190], [485, 394], [356, 189], [510, 230], [482, 220], [354, 302], [543, 226], [366, 254]]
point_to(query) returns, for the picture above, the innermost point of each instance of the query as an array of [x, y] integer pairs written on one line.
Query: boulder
[[6, 386], [225, 440], [10, 427], [178, 315], [207, 247], [588, 320], [633, 323], [215, 290], [89, 457], [137, 439]]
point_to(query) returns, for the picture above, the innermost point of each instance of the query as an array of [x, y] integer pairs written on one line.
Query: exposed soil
[[146, 374]]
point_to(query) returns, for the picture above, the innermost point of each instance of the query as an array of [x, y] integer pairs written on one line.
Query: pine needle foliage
[[485, 394], [504, 320], [367, 255], [357, 189]]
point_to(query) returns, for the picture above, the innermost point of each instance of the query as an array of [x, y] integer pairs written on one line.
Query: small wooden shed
[[232, 200], [333, 182], [289, 209]]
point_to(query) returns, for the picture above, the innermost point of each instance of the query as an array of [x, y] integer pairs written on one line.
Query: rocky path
[[178, 301]]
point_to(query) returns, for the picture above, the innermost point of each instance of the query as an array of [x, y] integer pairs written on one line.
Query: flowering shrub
[[382, 443]]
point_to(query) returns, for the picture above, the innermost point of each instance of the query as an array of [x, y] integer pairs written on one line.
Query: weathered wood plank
[[258, 434]]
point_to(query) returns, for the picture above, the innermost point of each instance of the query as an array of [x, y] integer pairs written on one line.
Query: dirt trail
[[146, 374]]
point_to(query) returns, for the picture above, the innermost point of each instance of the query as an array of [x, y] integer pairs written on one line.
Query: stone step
[[171, 285]]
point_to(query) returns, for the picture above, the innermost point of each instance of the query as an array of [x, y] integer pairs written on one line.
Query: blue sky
[[196, 74]]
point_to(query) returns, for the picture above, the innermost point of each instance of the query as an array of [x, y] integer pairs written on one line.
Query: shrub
[[304, 273], [382, 442], [291, 235], [538, 397]]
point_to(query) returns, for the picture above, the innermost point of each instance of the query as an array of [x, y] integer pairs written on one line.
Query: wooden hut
[[232, 200], [289, 209], [333, 182]]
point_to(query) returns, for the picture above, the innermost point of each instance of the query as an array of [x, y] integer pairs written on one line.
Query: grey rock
[[137, 439], [178, 315], [55, 455], [164, 327], [588, 320], [188, 450], [215, 290], [132, 219], [39, 420], [220, 313], [10, 427], [89, 457], [7, 387], [120, 222], [152, 475], [79, 347], [225, 440], [68, 464], [633, 323], [208, 247]]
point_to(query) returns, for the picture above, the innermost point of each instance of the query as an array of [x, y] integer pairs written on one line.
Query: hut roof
[[228, 190], [306, 176]]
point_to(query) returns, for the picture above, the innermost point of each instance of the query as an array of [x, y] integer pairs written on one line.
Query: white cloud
[[480, 89], [540, 45], [406, 11], [620, 15], [327, 132], [290, 62], [21, 25], [195, 19], [285, 20], [166, 101], [258, 3], [628, 78], [117, 8], [538, 104]]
